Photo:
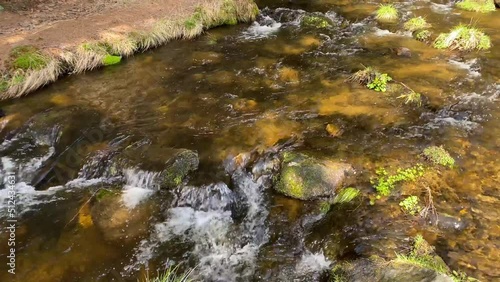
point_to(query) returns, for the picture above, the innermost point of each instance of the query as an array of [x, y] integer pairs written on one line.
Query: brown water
[[236, 89]]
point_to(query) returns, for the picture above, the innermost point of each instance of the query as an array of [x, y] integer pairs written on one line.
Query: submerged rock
[[303, 177], [118, 223]]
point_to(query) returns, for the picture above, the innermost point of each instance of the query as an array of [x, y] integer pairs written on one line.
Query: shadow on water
[[243, 89]]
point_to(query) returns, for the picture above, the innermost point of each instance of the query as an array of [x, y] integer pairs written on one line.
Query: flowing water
[[240, 90]]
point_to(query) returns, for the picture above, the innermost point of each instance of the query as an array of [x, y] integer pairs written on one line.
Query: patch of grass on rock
[[439, 156], [463, 38], [416, 23], [482, 6], [387, 13]]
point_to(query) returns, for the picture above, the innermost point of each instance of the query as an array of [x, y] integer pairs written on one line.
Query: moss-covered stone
[[303, 177], [315, 21], [183, 163]]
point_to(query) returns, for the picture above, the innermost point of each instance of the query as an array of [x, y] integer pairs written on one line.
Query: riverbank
[[36, 50]]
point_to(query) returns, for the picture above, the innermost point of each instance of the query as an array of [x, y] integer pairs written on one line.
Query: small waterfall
[[139, 186], [224, 249]]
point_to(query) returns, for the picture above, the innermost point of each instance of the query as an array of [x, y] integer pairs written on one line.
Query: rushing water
[[242, 89]]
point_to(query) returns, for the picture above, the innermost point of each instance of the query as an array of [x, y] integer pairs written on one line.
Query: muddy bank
[[81, 37]]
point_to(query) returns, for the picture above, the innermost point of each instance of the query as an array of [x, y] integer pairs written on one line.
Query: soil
[[56, 24]]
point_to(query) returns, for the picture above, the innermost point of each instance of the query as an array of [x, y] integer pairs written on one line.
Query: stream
[[236, 96]]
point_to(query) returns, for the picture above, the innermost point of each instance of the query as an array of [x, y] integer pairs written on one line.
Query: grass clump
[[482, 6], [416, 23], [439, 156], [315, 21], [463, 38], [171, 275], [346, 195], [387, 13], [28, 58], [385, 183], [324, 207], [410, 205], [422, 35], [412, 97]]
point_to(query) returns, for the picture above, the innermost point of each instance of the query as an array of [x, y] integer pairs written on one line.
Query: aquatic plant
[[482, 6], [346, 195], [410, 205], [416, 23], [387, 13], [171, 275], [379, 84], [438, 155], [463, 38], [28, 58], [385, 183], [411, 97], [363, 76], [422, 35], [315, 21]]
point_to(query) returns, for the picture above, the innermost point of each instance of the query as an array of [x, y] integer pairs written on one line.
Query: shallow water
[[247, 87]]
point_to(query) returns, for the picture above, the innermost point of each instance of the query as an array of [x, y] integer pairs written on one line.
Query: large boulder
[[305, 178]]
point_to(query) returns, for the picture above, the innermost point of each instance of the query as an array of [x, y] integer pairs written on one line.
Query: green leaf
[[109, 60]]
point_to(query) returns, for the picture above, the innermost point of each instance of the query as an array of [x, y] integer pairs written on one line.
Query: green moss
[[315, 21], [290, 184], [103, 194], [439, 156], [482, 6], [346, 195], [182, 165], [416, 23], [109, 60], [463, 38], [410, 205], [385, 183], [324, 206], [387, 13], [422, 35], [28, 58]]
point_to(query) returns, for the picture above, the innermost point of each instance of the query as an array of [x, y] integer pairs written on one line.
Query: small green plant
[[422, 35], [463, 38], [411, 97], [4, 84], [379, 84], [410, 205], [438, 155], [211, 39], [171, 275], [346, 195], [315, 21], [416, 23], [482, 6], [387, 13], [385, 183]]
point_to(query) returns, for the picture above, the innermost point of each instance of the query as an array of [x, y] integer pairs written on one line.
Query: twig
[[430, 209], [79, 210]]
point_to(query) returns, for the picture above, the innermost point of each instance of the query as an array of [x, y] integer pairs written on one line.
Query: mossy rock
[[177, 170], [315, 21], [377, 269], [305, 178]]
